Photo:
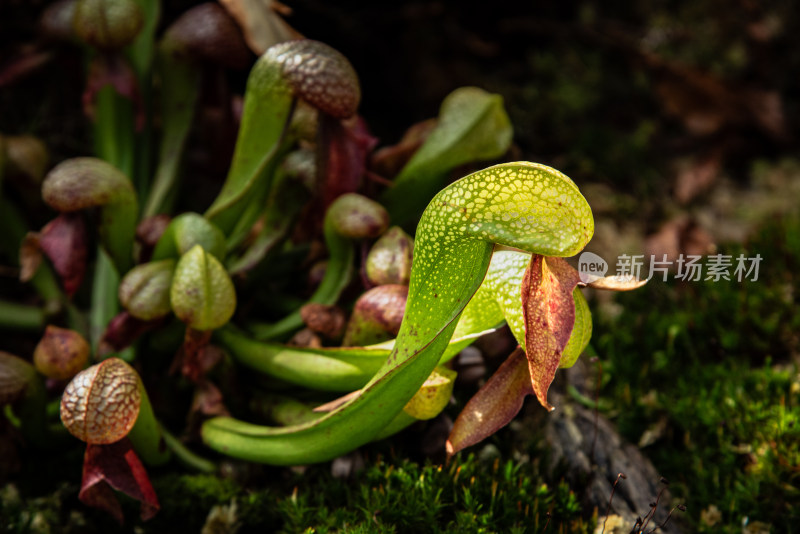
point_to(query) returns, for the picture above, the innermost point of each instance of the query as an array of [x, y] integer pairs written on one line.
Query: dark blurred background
[[609, 91]]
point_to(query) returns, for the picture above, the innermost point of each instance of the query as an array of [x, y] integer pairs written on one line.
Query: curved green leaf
[[345, 369], [184, 232], [304, 69], [329, 369], [523, 205], [349, 368], [472, 126], [268, 105]]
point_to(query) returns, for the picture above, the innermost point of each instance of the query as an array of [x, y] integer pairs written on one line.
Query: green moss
[[187, 499], [717, 362], [390, 495]]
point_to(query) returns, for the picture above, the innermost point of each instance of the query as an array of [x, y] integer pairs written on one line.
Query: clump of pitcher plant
[[219, 285]]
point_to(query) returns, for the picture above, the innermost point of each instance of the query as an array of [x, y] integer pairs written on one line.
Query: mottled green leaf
[[303, 69], [202, 294], [144, 291], [15, 376], [184, 232], [433, 395]]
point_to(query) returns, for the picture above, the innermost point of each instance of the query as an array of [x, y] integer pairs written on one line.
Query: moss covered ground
[[712, 368]]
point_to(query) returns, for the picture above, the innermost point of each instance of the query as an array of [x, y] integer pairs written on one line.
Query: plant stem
[[141, 57], [186, 456], [114, 142], [180, 89], [147, 435], [337, 276], [104, 297], [31, 413], [20, 317], [114, 130]]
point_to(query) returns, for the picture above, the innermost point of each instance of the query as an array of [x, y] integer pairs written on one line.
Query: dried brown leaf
[[614, 283], [27, 61], [65, 242], [116, 467], [494, 405], [766, 109], [30, 256], [706, 104], [113, 70], [549, 312], [389, 160], [122, 331]]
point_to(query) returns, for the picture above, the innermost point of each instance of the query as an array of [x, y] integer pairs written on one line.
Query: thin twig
[[663, 525], [547, 524], [654, 505], [608, 508]]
